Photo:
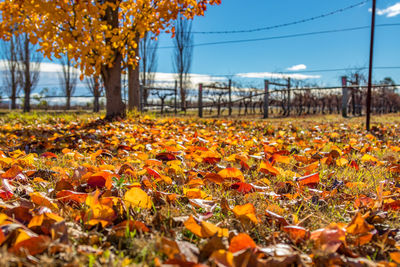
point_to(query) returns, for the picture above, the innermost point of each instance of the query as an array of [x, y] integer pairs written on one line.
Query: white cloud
[[389, 12], [44, 67], [271, 75], [163, 77], [297, 67]]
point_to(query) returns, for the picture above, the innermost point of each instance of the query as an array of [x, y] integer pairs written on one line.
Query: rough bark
[[112, 83], [112, 75]]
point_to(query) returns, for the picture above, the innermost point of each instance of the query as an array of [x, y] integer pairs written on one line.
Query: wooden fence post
[[230, 97], [266, 98], [175, 96], [201, 100], [288, 98], [344, 96]]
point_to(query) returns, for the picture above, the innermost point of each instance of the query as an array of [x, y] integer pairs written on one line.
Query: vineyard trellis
[[278, 98], [282, 100], [160, 97]]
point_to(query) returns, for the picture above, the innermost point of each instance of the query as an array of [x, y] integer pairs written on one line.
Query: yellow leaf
[[222, 258], [205, 229], [231, 173], [42, 200], [246, 211], [136, 197]]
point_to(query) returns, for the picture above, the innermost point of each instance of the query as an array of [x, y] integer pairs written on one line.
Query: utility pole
[[371, 56]]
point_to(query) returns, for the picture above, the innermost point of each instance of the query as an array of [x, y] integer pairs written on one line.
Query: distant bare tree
[[11, 76], [30, 61], [183, 54], [95, 87], [68, 79], [148, 62]]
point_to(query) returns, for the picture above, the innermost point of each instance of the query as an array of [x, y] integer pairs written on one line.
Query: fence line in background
[[224, 99]]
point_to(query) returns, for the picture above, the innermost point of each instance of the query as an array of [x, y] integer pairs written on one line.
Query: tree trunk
[[134, 82], [112, 82], [133, 88], [27, 99], [68, 106], [96, 93], [28, 83], [14, 96], [183, 92]]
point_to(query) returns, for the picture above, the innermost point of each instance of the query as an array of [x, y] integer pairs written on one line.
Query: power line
[[285, 24], [285, 36]]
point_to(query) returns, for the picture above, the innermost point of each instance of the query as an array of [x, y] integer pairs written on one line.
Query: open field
[[312, 191]]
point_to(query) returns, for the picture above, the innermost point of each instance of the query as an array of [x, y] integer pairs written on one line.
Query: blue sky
[[315, 52], [325, 51]]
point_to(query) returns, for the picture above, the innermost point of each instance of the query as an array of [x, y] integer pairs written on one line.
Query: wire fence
[[278, 98]]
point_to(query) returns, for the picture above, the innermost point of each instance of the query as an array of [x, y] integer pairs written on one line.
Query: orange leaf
[[245, 211], [100, 211], [31, 246], [101, 179], [42, 200], [280, 159], [243, 187], [330, 238], [49, 155], [68, 196], [153, 173], [222, 258], [165, 156], [311, 179], [297, 233], [2, 237], [153, 162], [136, 197], [354, 165], [267, 168], [358, 226], [310, 168], [394, 205], [12, 172], [395, 256], [214, 177], [240, 242], [231, 173], [205, 229]]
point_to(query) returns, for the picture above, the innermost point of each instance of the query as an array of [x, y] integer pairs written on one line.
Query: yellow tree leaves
[[82, 29]]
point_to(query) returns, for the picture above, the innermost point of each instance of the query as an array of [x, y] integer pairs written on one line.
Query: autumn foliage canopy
[[93, 32]]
